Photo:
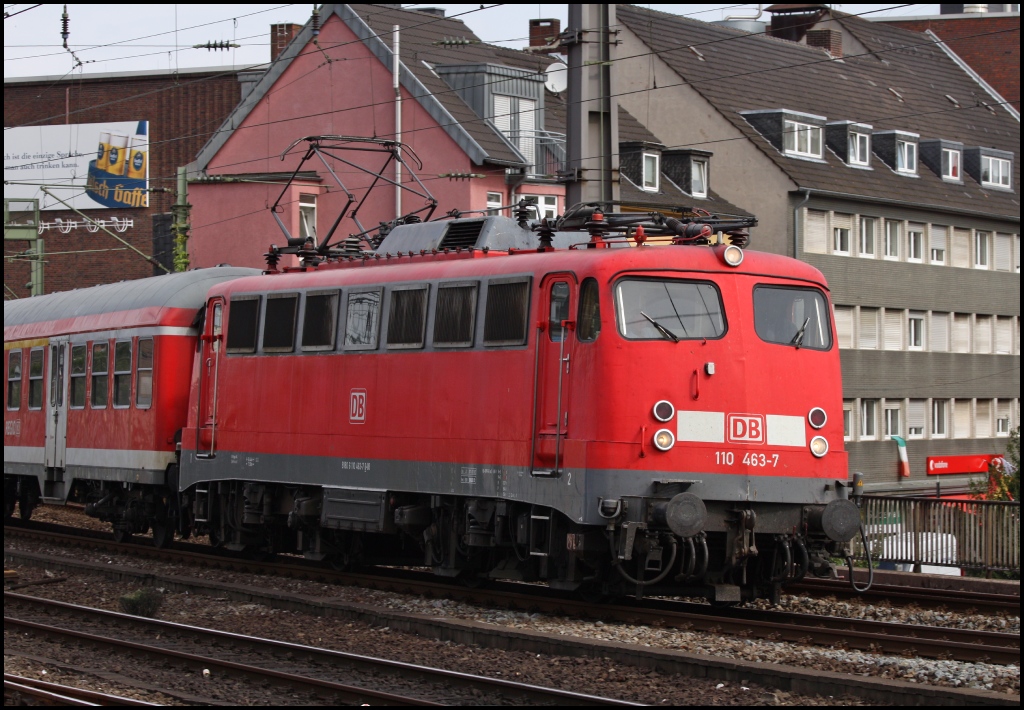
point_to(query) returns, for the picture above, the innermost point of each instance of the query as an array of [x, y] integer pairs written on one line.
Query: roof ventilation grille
[[462, 234]]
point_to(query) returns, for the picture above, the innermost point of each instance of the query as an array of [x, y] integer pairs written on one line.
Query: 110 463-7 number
[[728, 458]]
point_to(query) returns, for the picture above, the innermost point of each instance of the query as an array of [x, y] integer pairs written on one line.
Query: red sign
[[938, 465], [746, 429]]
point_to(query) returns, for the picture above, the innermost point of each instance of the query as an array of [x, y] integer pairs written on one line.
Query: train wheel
[[163, 533], [9, 502], [25, 509], [122, 535]]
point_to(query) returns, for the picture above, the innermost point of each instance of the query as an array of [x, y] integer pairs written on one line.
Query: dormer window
[[652, 170], [906, 156], [991, 167], [698, 178], [950, 164], [801, 139], [860, 149], [850, 141], [995, 172]]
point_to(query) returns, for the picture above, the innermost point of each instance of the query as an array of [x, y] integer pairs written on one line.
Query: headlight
[[817, 417], [819, 447], [733, 255], [664, 440], [664, 411]]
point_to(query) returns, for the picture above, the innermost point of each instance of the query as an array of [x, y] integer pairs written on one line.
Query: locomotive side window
[[407, 319], [144, 374], [122, 375], [35, 379], [100, 375], [14, 380], [78, 377], [656, 309], [792, 316], [508, 306], [559, 311], [589, 318], [455, 315], [279, 323], [362, 322], [242, 324], [319, 321]]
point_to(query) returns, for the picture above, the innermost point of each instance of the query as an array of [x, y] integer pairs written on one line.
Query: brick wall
[[183, 112], [988, 44]]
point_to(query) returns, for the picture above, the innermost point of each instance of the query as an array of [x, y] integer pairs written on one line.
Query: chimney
[[435, 11], [280, 35], [544, 32], [829, 40]]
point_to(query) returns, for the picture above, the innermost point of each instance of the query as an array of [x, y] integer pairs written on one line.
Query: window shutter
[[869, 328], [844, 326], [939, 333], [527, 126], [1003, 408], [961, 248], [915, 413], [845, 221], [983, 419], [816, 233], [1004, 252], [962, 419], [1004, 335], [503, 113], [938, 237], [983, 334], [893, 329], [961, 333]]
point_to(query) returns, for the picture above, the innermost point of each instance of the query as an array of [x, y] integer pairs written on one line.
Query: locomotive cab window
[[407, 317], [454, 315], [35, 379], [506, 313], [14, 380], [100, 375], [78, 355], [122, 375], [279, 323], [144, 374], [792, 316], [243, 320], [319, 322], [362, 320], [589, 319], [660, 309], [558, 311]]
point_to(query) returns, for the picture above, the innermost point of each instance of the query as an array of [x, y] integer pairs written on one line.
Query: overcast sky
[[112, 38]]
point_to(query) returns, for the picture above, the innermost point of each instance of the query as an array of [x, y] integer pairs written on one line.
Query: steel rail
[[951, 599], [220, 639], [45, 693]]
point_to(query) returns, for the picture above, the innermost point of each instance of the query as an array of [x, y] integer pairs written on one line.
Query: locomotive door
[[555, 344], [209, 368], [57, 404]]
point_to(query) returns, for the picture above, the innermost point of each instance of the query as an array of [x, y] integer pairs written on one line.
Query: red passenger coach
[[97, 390]]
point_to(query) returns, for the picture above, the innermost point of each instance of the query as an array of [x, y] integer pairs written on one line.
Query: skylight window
[[906, 156], [995, 172], [860, 149], [950, 164], [801, 139]]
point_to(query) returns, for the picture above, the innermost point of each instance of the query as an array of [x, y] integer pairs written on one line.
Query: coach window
[[650, 309], [407, 318], [454, 315], [14, 380], [792, 316], [100, 375], [362, 321], [506, 313], [35, 379], [144, 374], [78, 377], [590, 311], [319, 323], [279, 323], [243, 320], [122, 375]]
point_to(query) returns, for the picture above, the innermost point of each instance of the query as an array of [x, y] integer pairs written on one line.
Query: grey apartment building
[[876, 155]]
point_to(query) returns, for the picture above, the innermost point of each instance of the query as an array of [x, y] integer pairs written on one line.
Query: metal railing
[[545, 149], [970, 534]]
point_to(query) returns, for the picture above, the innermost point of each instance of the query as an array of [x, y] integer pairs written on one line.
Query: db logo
[[746, 429], [357, 407]]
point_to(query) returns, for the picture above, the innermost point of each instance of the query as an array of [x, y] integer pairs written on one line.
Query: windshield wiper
[[798, 339], [661, 329]]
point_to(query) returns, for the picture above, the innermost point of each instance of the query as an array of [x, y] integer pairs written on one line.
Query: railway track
[[932, 598], [29, 691], [307, 669], [808, 629]]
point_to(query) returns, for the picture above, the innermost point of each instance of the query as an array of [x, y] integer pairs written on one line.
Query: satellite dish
[[556, 78]]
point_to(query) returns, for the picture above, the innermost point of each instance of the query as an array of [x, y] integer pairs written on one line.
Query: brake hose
[[871, 570]]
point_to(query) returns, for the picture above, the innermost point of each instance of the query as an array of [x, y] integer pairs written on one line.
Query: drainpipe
[[395, 68], [796, 223]]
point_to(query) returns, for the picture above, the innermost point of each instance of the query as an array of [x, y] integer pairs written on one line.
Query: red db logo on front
[[357, 407], [746, 428]]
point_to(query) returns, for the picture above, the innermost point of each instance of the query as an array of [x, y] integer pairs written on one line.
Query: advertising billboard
[[89, 165]]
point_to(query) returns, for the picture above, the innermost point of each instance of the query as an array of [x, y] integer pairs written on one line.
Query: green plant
[[142, 602]]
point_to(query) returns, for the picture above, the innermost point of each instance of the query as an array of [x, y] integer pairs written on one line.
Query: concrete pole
[[396, 64]]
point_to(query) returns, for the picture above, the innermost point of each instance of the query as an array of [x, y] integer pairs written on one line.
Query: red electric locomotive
[[593, 412]]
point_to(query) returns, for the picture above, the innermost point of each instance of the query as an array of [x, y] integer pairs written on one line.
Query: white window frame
[[1002, 424], [796, 132], [848, 420], [916, 331], [307, 216], [982, 249], [547, 205], [893, 237], [940, 418], [893, 411], [650, 183], [698, 167], [932, 251], [493, 203], [915, 235], [950, 164], [1000, 168], [906, 156], [860, 148], [868, 224], [869, 419], [840, 234]]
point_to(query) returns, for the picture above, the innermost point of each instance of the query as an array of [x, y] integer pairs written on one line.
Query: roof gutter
[[1013, 219]]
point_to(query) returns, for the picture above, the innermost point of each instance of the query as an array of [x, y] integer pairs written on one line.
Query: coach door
[[213, 349], [57, 404], [556, 339]]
